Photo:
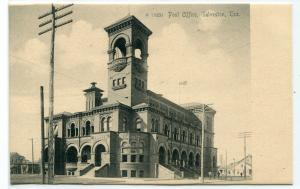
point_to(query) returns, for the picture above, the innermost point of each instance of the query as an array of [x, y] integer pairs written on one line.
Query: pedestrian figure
[[209, 175]]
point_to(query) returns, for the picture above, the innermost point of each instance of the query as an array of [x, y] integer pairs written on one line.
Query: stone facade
[[134, 132]]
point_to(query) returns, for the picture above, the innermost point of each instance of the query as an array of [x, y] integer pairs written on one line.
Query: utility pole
[[54, 18], [245, 135], [226, 165], [32, 156], [42, 135], [233, 166]]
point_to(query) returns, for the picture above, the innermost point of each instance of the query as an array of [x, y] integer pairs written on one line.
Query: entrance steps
[[189, 173], [90, 173], [85, 168], [169, 171]]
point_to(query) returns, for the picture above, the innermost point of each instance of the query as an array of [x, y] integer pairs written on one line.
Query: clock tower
[[127, 64]]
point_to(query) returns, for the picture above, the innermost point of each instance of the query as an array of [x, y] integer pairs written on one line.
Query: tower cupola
[[93, 96]]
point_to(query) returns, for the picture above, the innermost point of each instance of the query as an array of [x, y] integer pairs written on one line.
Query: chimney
[[93, 97]]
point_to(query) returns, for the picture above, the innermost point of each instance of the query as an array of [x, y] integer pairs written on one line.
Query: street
[[36, 179]]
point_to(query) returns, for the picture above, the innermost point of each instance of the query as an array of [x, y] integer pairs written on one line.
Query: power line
[[46, 67]]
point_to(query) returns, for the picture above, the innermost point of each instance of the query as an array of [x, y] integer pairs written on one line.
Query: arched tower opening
[[127, 65], [119, 50]]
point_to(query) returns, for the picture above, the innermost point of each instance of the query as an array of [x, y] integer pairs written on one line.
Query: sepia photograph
[[164, 94]]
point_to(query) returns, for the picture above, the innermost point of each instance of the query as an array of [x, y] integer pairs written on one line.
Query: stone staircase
[[90, 173], [102, 171], [175, 171], [85, 168], [189, 173]]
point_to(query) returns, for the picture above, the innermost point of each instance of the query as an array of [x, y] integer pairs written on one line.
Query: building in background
[[236, 168], [134, 132]]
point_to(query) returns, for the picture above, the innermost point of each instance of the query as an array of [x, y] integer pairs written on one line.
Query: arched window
[[183, 136], [191, 137], [83, 131], [88, 128], [72, 130], [156, 125], [152, 125], [68, 132], [138, 53], [138, 49], [76, 131], [102, 125], [124, 126], [166, 130], [139, 126], [120, 48], [92, 129], [175, 133], [108, 123], [197, 140]]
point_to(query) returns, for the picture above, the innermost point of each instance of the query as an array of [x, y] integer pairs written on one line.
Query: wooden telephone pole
[[42, 135], [245, 135], [32, 156], [51, 139]]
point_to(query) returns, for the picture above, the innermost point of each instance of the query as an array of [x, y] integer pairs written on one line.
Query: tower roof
[[93, 88], [125, 22]]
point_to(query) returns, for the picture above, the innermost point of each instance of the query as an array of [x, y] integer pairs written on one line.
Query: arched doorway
[[197, 162], [183, 159], [191, 159], [98, 154], [162, 155], [175, 157], [85, 154], [71, 155]]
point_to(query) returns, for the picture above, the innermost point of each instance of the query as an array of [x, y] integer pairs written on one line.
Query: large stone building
[[134, 132]]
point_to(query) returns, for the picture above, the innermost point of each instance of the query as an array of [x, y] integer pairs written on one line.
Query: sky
[[211, 53]]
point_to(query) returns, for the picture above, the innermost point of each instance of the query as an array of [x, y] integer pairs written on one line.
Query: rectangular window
[[124, 173], [141, 173], [124, 158], [133, 158], [141, 158], [123, 80], [114, 82], [133, 173]]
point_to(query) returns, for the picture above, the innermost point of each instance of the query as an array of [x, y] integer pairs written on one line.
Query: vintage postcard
[[150, 94]]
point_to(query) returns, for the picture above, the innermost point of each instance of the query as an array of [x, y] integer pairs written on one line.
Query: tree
[[16, 158]]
